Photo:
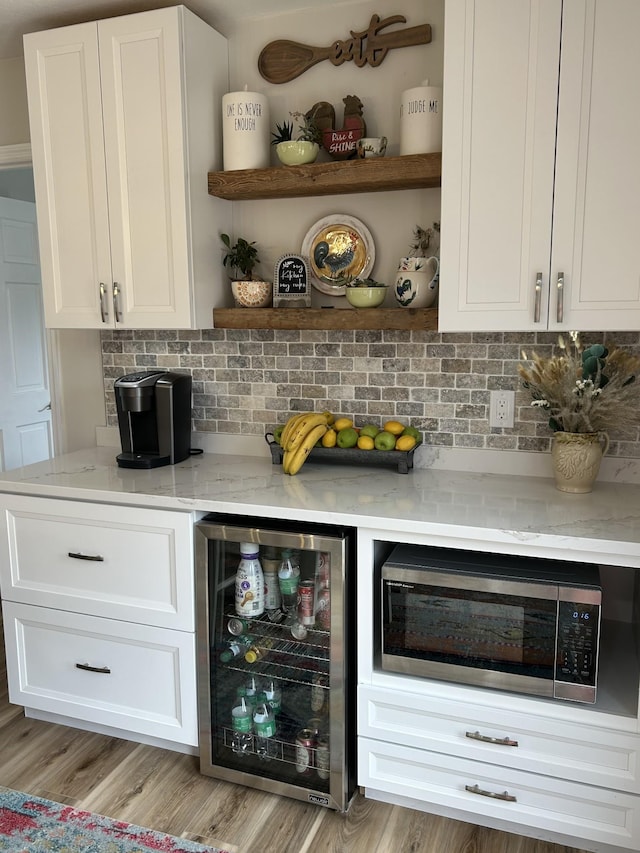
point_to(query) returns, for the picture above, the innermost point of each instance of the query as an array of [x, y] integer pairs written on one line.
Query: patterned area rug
[[33, 825]]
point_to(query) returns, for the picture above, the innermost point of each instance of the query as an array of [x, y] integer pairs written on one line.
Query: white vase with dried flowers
[[587, 393]]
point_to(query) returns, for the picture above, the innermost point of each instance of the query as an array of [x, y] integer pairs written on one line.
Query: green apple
[[370, 429], [347, 438], [385, 440], [413, 432]]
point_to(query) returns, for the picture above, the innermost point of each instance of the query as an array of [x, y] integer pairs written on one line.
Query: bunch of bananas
[[300, 434]]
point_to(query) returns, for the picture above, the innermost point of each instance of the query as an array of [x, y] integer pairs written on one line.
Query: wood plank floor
[[163, 790]]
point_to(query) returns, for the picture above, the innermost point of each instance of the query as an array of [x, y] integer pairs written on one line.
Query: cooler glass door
[[300, 672]]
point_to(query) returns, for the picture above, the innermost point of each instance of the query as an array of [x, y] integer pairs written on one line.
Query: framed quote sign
[[292, 282]]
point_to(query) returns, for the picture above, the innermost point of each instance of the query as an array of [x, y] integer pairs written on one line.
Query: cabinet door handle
[[560, 304], [116, 302], [104, 311], [505, 795], [103, 670], [538, 300], [500, 741], [76, 555]]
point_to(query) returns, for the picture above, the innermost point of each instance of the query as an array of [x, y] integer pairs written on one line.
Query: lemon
[[329, 438], [329, 416], [365, 442], [405, 442], [394, 427], [342, 423]]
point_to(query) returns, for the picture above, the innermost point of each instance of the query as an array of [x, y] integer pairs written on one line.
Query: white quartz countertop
[[507, 513]]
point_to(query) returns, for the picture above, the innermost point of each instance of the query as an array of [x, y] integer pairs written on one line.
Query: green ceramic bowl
[[366, 297]]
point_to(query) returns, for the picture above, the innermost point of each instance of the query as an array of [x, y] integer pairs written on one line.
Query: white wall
[[14, 127]]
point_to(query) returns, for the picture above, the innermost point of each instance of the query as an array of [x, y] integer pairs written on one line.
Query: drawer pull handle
[[96, 558], [505, 795], [501, 741], [103, 670]]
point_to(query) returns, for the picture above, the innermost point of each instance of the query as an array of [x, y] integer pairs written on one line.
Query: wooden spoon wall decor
[[283, 60]]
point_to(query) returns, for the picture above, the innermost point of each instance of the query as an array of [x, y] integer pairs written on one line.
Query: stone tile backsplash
[[247, 381]]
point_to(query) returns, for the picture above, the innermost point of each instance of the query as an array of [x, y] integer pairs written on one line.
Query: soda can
[[237, 626], [322, 757], [298, 631], [323, 614], [323, 569], [305, 748], [306, 603]]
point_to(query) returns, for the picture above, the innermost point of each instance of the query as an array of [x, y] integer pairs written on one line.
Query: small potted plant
[[305, 147], [242, 257], [416, 284], [365, 292]]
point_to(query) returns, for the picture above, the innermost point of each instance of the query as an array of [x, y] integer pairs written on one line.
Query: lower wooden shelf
[[410, 319]]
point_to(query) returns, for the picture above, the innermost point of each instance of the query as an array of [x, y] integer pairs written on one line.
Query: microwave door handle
[[499, 741]]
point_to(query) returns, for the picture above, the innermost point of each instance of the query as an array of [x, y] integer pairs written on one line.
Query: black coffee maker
[[154, 417]]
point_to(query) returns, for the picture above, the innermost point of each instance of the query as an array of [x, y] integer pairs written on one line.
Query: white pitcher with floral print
[[416, 284]]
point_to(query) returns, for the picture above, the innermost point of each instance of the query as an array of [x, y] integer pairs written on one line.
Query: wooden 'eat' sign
[[284, 60]]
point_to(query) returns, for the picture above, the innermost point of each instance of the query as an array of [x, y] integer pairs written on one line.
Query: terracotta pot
[[576, 459]]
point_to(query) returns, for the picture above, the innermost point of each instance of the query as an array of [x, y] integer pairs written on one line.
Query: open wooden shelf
[[338, 177], [408, 319]]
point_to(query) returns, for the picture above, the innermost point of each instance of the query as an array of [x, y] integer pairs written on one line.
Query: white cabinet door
[[507, 162], [127, 112], [596, 210], [499, 109], [65, 115]]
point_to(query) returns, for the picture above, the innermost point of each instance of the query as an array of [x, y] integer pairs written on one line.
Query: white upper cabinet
[[125, 124], [540, 175]]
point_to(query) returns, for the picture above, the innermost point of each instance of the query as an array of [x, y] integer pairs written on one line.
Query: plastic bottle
[[288, 580], [249, 591], [252, 694], [274, 698], [235, 648], [270, 565], [264, 724], [242, 724], [258, 650]]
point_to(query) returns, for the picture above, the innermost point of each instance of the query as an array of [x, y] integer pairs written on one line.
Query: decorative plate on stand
[[338, 246]]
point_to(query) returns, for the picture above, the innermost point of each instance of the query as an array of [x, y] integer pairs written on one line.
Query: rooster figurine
[[340, 144]]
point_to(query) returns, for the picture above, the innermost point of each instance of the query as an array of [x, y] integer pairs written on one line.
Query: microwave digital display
[[513, 623]]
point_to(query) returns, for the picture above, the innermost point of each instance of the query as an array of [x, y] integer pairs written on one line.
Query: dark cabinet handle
[[77, 556], [103, 670]]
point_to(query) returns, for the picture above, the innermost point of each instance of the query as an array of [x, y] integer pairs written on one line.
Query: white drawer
[[568, 751], [142, 566], [148, 684], [554, 805]]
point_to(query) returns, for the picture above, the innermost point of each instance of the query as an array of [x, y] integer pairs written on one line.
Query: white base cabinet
[[98, 611], [125, 122], [568, 772], [131, 677]]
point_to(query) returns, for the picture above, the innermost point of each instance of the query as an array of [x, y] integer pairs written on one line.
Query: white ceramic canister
[[421, 120], [245, 131]]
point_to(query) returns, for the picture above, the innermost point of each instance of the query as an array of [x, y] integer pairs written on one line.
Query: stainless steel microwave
[[523, 624]]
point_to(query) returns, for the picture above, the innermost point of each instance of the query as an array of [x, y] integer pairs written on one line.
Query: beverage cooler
[[276, 656]]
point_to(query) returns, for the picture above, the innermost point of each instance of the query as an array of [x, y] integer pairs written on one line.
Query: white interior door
[[25, 404]]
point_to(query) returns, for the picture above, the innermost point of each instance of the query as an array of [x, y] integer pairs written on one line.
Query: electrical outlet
[[502, 409]]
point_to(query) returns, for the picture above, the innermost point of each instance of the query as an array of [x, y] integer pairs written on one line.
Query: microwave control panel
[[577, 646]]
